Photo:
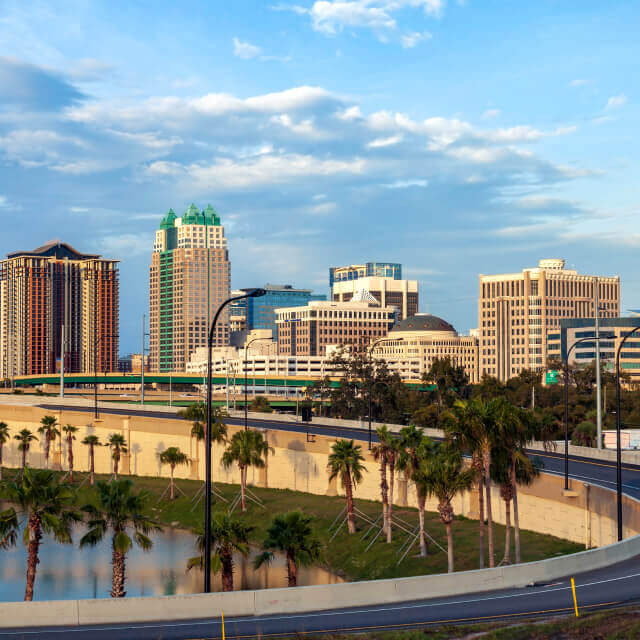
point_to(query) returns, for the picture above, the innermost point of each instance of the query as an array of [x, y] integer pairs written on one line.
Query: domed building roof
[[423, 322]]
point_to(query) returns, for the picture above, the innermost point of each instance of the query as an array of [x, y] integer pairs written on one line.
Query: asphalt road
[[609, 587]]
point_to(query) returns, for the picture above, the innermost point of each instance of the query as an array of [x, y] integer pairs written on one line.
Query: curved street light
[[566, 401], [250, 293], [618, 426]]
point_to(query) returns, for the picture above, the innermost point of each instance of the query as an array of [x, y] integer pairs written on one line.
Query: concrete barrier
[[309, 599]]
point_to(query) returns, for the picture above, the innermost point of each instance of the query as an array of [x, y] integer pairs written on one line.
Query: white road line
[[525, 592]]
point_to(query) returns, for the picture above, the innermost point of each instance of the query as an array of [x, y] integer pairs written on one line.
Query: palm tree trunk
[[481, 517], [392, 468], [70, 455], [423, 544], [92, 465], [171, 489], [243, 485], [384, 487], [117, 583], [116, 460], [487, 482], [24, 458], [292, 571], [47, 444], [227, 571], [35, 535], [1, 446], [449, 547], [506, 559], [349, 494], [516, 515]]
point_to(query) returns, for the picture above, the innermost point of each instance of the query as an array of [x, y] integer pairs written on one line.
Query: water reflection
[[66, 572]]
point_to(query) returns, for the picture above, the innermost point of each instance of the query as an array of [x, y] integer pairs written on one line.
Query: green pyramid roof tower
[[168, 221]]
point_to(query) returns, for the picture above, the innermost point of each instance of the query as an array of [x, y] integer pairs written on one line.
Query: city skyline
[[453, 162]]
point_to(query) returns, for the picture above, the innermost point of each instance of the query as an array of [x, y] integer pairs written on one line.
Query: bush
[[584, 434], [260, 404]]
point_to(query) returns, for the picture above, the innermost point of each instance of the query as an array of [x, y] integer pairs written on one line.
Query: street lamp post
[[246, 347], [371, 383], [566, 401], [251, 293], [618, 427]]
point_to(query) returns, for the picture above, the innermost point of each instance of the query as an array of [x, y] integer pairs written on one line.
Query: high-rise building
[[189, 279], [518, 311], [391, 270], [261, 311], [401, 294], [52, 287], [413, 344], [310, 330]]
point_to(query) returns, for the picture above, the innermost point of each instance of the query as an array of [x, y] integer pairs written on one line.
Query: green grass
[[346, 555]]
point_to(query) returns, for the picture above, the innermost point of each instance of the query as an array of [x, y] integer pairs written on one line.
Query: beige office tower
[[189, 279], [518, 313]]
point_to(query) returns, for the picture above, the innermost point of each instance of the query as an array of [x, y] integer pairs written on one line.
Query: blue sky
[[456, 137]]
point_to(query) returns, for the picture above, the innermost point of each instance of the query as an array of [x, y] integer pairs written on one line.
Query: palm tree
[[345, 460], [443, 476], [50, 432], [92, 442], [423, 452], [69, 431], [118, 446], [292, 535], [246, 449], [227, 535], [198, 414], [173, 457], [24, 438], [392, 457], [4, 438], [119, 510], [47, 507], [379, 452]]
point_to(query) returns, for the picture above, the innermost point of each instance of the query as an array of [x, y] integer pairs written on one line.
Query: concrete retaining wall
[[308, 599]]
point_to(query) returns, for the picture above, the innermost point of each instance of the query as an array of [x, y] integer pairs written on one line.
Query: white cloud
[[491, 113], [78, 209], [616, 101], [303, 128], [126, 244], [323, 208], [405, 184], [385, 142], [578, 82], [410, 40], [4, 203], [245, 50], [258, 171], [352, 113], [331, 17]]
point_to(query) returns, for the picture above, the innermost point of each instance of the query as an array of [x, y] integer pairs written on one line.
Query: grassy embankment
[[346, 555]]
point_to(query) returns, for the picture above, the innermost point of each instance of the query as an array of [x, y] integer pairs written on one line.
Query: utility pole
[[598, 377]]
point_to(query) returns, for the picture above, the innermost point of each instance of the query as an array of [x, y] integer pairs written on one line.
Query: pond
[[66, 572]]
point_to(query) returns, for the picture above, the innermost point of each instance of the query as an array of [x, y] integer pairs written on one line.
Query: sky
[[456, 137]]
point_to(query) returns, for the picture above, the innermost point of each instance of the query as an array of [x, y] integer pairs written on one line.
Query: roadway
[[604, 588], [613, 586]]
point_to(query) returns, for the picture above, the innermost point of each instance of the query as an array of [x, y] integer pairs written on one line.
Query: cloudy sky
[[456, 137]]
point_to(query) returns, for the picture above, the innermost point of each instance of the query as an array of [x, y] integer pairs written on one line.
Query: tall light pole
[[246, 346], [566, 399], [618, 426], [250, 293], [371, 383]]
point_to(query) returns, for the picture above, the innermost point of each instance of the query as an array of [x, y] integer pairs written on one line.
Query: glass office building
[[354, 271], [260, 311]]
